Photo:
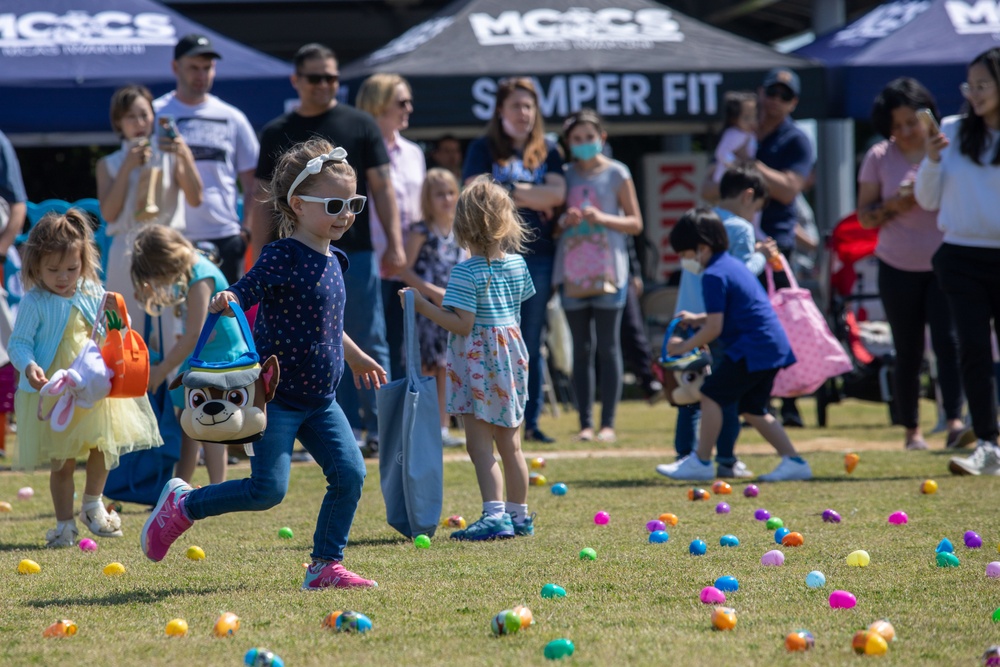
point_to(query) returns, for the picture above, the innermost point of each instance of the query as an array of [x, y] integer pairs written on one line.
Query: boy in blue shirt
[[738, 313]]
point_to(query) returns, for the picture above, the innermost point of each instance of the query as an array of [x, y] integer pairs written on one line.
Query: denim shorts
[[603, 302]]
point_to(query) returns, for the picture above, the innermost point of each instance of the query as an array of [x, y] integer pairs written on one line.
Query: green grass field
[[636, 605]]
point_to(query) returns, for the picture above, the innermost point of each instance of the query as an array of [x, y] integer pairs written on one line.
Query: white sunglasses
[[335, 205], [313, 167]]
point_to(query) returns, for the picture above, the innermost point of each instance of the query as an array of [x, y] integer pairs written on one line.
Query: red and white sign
[[672, 181]]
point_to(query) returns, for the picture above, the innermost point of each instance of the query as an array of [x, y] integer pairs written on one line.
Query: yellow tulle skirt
[[115, 426]]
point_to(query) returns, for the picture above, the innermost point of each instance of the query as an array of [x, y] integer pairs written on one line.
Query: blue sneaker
[[527, 527], [487, 528]]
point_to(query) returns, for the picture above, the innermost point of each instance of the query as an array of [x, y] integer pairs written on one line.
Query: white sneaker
[[985, 460], [788, 470], [688, 468], [101, 522], [738, 470], [66, 537]]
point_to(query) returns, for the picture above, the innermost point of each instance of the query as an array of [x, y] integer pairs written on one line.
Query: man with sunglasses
[[319, 114]]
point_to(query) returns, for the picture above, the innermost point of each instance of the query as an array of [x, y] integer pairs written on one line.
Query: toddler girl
[[53, 324], [738, 142], [431, 253], [487, 361], [299, 284], [170, 275]]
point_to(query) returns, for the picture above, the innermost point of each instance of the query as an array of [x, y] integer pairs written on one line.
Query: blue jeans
[[325, 433], [689, 422], [533, 321], [364, 322]]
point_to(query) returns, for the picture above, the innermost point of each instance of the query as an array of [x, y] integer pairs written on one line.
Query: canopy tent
[[930, 40], [60, 61], [635, 61]]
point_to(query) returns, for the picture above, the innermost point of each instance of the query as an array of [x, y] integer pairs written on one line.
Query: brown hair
[[584, 115], [58, 234], [501, 146], [162, 258], [123, 99], [289, 166], [487, 221], [435, 176], [378, 92]]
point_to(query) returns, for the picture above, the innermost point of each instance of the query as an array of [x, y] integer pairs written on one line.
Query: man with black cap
[[224, 145]]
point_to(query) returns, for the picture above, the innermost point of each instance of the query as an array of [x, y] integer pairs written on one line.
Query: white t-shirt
[[732, 140], [224, 144]]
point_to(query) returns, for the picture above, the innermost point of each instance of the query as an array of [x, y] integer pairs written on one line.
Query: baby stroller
[[857, 319]]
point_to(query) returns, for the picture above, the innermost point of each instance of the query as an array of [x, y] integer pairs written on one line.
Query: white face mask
[[692, 265], [513, 132]]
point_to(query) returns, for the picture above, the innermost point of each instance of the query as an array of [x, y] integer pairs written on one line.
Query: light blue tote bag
[[410, 452]]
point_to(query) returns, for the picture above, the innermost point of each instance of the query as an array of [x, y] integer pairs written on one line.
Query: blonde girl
[[53, 324], [299, 283], [487, 361], [171, 276], [431, 252]]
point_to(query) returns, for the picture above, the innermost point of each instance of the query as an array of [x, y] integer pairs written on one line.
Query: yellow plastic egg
[[929, 486], [869, 642], [27, 566], [195, 553], [178, 627], [227, 625], [5, 507], [859, 558], [114, 569], [724, 618]]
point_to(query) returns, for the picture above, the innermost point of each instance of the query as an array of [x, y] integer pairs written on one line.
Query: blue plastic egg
[[658, 537], [945, 546], [815, 579], [780, 534], [729, 541], [728, 584], [559, 489], [698, 548]]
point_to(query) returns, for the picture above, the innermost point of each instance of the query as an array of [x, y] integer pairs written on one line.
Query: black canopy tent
[[638, 63]]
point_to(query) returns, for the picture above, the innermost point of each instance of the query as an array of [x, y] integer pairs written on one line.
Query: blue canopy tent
[[929, 40], [60, 61]]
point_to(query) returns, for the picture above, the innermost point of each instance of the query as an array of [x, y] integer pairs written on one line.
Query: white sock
[[517, 512], [493, 508], [444, 431], [61, 524], [91, 502]]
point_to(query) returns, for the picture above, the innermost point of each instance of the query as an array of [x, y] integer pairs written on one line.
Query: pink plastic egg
[[773, 557], [722, 508], [602, 518], [993, 570], [25, 493], [712, 595], [898, 518], [87, 544], [842, 600], [655, 525], [762, 514], [751, 491]]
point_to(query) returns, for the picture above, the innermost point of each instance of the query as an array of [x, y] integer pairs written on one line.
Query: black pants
[[970, 279], [232, 250], [393, 326], [635, 345], [585, 325], [911, 300]]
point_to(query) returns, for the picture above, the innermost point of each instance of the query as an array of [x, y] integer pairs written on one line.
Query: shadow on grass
[[132, 597], [378, 541], [20, 547], [620, 483]]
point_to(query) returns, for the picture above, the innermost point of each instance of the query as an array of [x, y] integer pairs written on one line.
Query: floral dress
[[438, 256]]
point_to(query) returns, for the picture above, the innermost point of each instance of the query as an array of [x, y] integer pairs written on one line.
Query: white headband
[[314, 166]]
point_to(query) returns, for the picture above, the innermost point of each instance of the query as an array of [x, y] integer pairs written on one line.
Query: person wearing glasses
[[224, 146], [960, 179], [785, 159], [320, 115]]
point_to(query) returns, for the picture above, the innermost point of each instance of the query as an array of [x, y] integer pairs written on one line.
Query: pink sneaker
[[167, 522], [333, 574]]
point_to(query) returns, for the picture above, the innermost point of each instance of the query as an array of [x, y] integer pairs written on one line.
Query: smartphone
[[927, 117], [168, 127]]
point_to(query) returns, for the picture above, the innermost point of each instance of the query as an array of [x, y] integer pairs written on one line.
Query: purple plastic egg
[[712, 595], [601, 518], [831, 516], [655, 525], [842, 600], [972, 539], [722, 508], [751, 491], [898, 518], [773, 557], [762, 514]]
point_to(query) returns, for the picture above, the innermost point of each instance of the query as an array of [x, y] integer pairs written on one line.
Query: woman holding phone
[[907, 239], [960, 178]]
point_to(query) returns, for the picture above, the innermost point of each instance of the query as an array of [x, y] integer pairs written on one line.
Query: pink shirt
[[908, 241], [408, 171]]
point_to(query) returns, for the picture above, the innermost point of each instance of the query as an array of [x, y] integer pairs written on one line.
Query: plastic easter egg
[[177, 627], [537, 463], [993, 570], [722, 488], [815, 579], [842, 600], [884, 628], [774, 523], [330, 621], [972, 539], [63, 628], [697, 547], [536, 479], [773, 558], [669, 519], [87, 544], [422, 542], [658, 537], [800, 640], [859, 558], [729, 541], [28, 566], [780, 534], [762, 515], [898, 518], [751, 491], [559, 489], [866, 642], [227, 625], [944, 545], [114, 569], [195, 553], [114, 506], [355, 621], [285, 533], [602, 518], [996, 615], [550, 591], [557, 649], [723, 508], [831, 516], [5, 507], [527, 618], [454, 521], [505, 623], [261, 657], [728, 584], [991, 657], [851, 462], [698, 494], [712, 595], [724, 618], [25, 493], [588, 554], [947, 559], [928, 487], [792, 539], [655, 525]]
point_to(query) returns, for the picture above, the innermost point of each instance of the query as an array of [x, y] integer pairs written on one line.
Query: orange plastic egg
[[227, 625], [722, 488], [851, 462], [884, 628], [671, 519], [800, 640], [724, 618], [527, 618], [698, 494], [63, 628], [792, 540], [330, 622]]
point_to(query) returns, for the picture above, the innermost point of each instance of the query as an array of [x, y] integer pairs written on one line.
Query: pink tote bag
[[819, 356]]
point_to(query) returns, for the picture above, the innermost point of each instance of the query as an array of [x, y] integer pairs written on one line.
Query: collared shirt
[[408, 171], [787, 148]]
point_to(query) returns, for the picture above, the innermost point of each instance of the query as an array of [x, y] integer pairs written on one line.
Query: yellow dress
[[116, 426]]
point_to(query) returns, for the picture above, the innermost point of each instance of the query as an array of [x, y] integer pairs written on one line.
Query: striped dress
[[487, 371]]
